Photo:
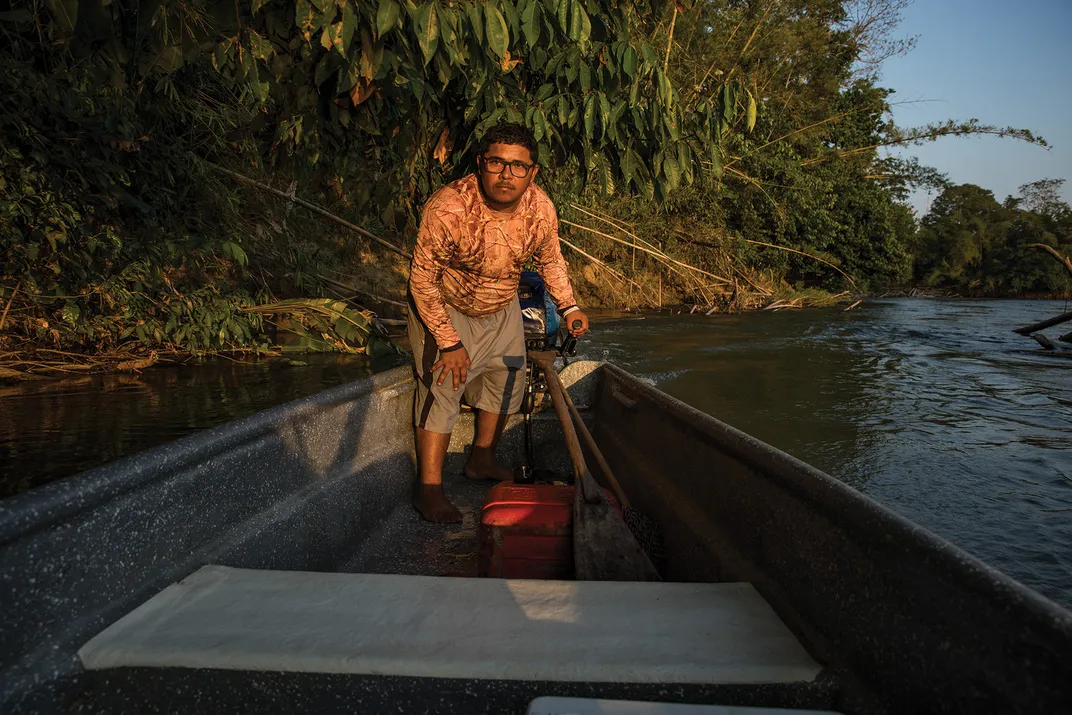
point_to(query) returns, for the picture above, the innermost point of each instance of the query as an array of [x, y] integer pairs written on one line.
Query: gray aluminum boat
[[274, 564]]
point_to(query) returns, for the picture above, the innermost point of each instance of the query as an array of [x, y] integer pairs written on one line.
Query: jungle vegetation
[[726, 151]]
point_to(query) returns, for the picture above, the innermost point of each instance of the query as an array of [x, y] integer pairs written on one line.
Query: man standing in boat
[[465, 324]]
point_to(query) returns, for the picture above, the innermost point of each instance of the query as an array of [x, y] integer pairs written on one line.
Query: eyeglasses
[[517, 168]]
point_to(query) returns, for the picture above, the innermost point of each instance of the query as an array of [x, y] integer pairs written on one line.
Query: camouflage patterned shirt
[[470, 258]]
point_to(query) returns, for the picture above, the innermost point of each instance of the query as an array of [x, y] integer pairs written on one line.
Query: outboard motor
[[543, 331], [538, 312], [543, 327]]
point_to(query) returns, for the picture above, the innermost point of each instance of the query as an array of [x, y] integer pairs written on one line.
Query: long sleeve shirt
[[470, 258]]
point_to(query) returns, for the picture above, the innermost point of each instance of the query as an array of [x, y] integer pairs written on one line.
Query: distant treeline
[[973, 244]]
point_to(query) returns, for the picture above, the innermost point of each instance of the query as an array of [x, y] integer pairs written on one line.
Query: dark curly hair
[[507, 133]]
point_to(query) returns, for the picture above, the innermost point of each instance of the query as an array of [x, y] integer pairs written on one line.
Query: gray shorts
[[496, 380]]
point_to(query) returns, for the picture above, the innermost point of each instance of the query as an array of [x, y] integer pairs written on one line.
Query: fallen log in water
[[1027, 330], [1044, 341]]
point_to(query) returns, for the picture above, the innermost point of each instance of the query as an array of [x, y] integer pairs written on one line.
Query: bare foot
[[478, 470], [434, 506]]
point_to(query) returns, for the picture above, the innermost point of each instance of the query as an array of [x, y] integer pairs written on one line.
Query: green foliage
[[750, 129], [971, 243], [114, 231], [324, 324]]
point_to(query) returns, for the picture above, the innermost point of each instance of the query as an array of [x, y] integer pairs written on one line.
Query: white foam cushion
[[587, 631]]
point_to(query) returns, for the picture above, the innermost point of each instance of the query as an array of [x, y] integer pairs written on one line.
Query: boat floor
[[369, 639], [407, 544]]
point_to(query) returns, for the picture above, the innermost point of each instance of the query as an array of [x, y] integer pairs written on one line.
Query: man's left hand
[[572, 318]]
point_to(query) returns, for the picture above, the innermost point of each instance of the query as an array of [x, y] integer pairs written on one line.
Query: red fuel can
[[526, 531]]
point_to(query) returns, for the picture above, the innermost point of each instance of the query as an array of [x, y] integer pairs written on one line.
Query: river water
[[932, 407]]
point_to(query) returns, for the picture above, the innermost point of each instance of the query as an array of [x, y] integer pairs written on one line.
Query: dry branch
[[1028, 329], [8, 306], [312, 207], [1063, 260], [659, 256], [793, 250]]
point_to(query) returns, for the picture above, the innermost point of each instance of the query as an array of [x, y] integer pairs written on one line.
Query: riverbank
[[23, 361]]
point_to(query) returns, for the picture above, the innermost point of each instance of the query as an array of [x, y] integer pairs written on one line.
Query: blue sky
[[1004, 63]]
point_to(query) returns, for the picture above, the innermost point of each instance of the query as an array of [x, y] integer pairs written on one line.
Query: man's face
[[499, 167]]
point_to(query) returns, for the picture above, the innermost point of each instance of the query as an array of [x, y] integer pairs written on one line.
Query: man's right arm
[[432, 255]]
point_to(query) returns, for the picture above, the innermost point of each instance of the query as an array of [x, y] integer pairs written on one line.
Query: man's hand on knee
[[455, 362]]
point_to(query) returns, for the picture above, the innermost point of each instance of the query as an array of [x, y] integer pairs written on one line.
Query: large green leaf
[[728, 102], [585, 75], [476, 18], [513, 21], [589, 115], [630, 61], [716, 160], [606, 177], [671, 170], [497, 32], [684, 160], [342, 32], [666, 92], [531, 18], [751, 115], [427, 30], [260, 48], [371, 55], [387, 16], [575, 20], [628, 165], [585, 31], [604, 113]]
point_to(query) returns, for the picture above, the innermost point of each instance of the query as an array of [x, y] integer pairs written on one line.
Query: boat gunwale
[[24, 514], [866, 515]]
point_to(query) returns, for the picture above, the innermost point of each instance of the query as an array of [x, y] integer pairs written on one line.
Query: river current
[[934, 408]]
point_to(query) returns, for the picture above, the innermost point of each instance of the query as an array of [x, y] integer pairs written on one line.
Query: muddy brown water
[[932, 407]]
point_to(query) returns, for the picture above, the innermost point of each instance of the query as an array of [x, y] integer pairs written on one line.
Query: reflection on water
[[934, 408], [50, 430]]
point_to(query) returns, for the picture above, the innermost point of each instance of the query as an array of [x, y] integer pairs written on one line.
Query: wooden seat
[[588, 631]]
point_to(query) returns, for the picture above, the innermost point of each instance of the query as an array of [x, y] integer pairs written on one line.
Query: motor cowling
[[538, 312]]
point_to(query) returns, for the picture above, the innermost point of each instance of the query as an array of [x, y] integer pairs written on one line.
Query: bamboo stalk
[[8, 306], [618, 225], [660, 256], [379, 298], [670, 41], [793, 250], [601, 264], [312, 207]]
